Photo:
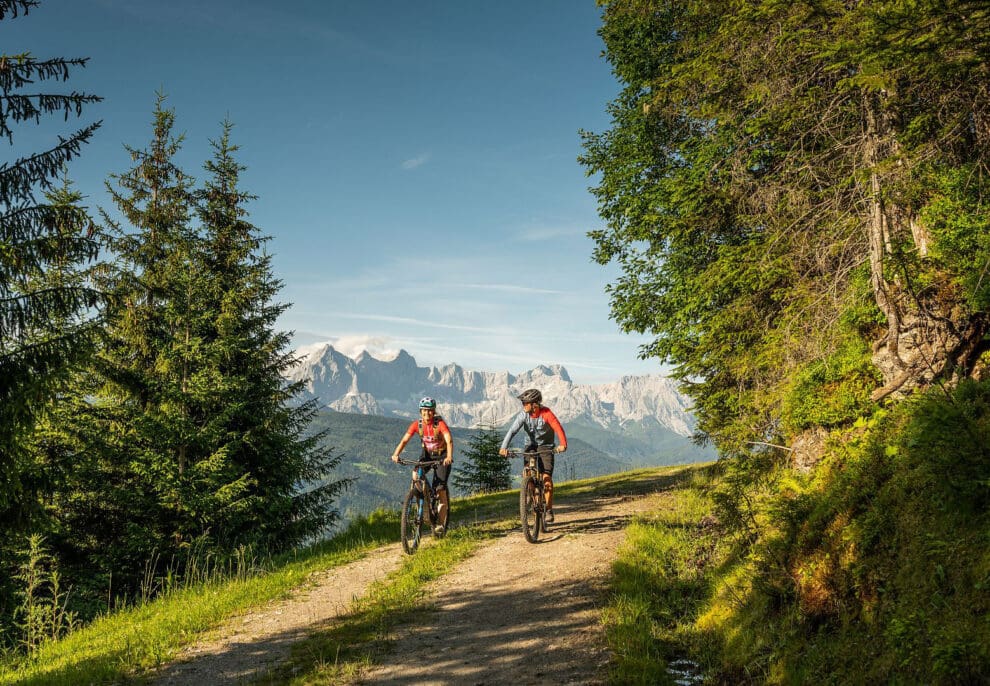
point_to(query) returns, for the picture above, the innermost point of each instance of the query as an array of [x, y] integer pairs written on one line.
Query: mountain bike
[[532, 506], [420, 506]]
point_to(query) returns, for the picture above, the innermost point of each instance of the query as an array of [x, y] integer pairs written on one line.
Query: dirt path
[[517, 613], [248, 645], [514, 613]]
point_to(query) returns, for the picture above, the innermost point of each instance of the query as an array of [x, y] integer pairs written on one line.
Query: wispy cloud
[[510, 288], [418, 322], [416, 162], [548, 233]]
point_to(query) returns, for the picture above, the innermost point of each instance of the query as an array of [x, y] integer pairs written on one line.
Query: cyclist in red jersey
[[541, 427], [437, 443]]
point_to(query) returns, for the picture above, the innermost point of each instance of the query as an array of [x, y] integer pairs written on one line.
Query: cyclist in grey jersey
[[542, 427]]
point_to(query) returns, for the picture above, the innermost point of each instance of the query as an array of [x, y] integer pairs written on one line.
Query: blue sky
[[414, 162]]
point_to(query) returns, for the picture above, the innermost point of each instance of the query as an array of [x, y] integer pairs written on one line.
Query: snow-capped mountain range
[[393, 387]]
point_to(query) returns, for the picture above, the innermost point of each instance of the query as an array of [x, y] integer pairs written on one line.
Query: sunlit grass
[[143, 637], [134, 641], [357, 641], [663, 572], [351, 644]]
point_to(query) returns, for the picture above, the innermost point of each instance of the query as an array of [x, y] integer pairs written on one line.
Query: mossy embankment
[[875, 568]]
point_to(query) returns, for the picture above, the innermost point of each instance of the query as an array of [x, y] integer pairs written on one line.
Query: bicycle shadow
[[570, 522]]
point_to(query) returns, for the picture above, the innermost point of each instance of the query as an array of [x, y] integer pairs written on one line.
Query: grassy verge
[[143, 637], [341, 650], [872, 569], [134, 640], [664, 570]]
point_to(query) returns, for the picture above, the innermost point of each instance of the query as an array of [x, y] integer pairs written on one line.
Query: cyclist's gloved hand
[[561, 448], [447, 461], [395, 457], [503, 452]]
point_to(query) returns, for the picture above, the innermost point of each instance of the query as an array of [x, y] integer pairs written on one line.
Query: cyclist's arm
[[445, 430], [517, 424], [558, 430], [405, 441]]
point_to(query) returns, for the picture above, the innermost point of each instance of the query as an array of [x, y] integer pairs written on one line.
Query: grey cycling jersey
[[540, 429]]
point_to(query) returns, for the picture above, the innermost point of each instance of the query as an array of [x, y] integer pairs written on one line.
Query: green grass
[[136, 639], [340, 651], [132, 641], [663, 571], [352, 643], [872, 569], [127, 645]]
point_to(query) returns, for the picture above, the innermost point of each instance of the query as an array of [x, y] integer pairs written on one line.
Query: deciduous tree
[[790, 190]]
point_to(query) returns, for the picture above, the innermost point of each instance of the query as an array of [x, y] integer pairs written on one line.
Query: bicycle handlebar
[[516, 452], [417, 463]]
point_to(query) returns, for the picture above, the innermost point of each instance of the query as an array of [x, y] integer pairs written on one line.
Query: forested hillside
[[796, 195]]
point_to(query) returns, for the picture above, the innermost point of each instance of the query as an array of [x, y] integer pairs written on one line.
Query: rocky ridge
[[468, 398]]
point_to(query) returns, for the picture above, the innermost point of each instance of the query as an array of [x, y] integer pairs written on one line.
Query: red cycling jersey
[[433, 434]]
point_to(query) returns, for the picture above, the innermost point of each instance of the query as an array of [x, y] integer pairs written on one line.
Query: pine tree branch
[[19, 108], [11, 8], [17, 71], [17, 180]]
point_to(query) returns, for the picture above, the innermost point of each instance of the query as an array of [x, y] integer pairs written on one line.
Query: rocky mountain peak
[[467, 398]]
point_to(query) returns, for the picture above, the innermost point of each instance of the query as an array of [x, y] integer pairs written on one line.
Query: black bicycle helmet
[[531, 396]]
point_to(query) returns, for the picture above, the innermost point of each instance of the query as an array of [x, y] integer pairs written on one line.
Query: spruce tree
[[49, 310], [130, 492], [264, 482], [484, 470]]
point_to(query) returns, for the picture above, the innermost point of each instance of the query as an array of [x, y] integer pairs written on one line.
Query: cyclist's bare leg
[[548, 490], [443, 508]]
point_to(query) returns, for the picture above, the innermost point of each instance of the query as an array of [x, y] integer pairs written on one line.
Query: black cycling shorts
[[440, 471], [546, 458]]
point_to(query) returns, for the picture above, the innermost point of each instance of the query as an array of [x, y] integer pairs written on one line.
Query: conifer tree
[[484, 470], [130, 491], [49, 310], [265, 482]]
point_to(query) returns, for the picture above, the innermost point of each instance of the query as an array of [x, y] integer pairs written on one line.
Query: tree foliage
[[270, 484], [184, 435], [791, 186], [483, 469], [144, 415], [49, 307]]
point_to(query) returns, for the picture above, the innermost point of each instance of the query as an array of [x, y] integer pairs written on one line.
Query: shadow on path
[[516, 613]]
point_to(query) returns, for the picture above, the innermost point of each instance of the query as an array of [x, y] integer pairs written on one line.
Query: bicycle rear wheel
[[412, 521], [529, 514]]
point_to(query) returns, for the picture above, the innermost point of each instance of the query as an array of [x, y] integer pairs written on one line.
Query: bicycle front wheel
[[529, 512], [412, 521]]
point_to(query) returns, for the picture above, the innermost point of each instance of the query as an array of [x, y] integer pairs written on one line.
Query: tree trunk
[[930, 335]]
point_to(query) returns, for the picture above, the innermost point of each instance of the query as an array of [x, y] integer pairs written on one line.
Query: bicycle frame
[[531, 499], [420, 499]]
